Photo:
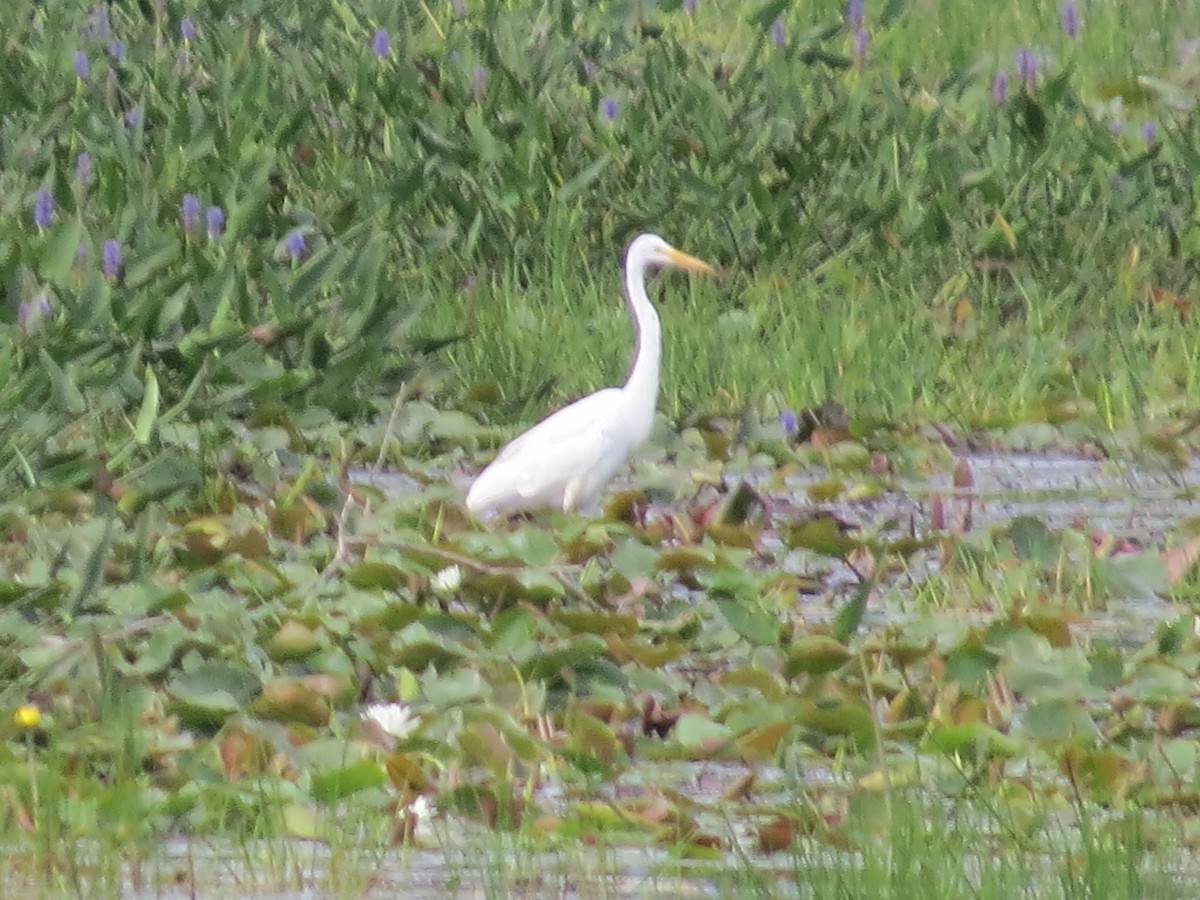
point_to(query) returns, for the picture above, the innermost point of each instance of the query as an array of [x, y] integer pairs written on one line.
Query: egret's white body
[[566, 459]]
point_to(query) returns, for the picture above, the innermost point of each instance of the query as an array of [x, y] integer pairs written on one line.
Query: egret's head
[[649, 251]]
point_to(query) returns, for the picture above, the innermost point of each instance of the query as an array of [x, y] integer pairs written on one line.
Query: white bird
[[565, 460]]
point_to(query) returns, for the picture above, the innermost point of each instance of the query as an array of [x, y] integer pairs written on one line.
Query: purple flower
[[1000, 88], [190, 213], [99, 28], [134, 117], [381, 43], [862, 40], [1027, 67], [83, 168], [38, 310], [43, 208], [479, 83], [296, 244], [116, 50], [216, 222], [689, 6], [1149, 133], [778, 33], [1116, 126], [112, 258], [83, 68], [187, 30], [609, 108], [1070, 19], [854, 14], [790, 422]]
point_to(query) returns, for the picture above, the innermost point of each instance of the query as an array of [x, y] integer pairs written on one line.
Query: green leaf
[[1031, 539], [822, 535], [754, 625], [893, 11], [768, 13], [330, 787], [815, 654], [142, 270], [485, 142], [148, 414], [58, 256], [567, 655], [850, 614], [975, 740], [66, 395], [94, 569], [582, 181], [694, 730]]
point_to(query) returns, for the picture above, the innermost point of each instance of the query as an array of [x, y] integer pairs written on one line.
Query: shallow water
[[1062, 491]]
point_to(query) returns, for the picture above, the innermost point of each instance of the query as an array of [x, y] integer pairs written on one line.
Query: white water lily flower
[[397, 719], [416, 820], [447, 580], [421, 807]]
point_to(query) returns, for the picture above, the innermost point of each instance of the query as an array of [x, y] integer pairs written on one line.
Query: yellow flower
[[27, 716]]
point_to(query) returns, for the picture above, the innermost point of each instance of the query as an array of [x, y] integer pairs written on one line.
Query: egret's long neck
[[642, 383]]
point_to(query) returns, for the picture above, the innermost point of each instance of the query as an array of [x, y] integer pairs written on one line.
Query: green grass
[[880, 347]]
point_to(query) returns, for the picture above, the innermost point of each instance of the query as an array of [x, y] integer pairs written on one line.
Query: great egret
[[565, 460]]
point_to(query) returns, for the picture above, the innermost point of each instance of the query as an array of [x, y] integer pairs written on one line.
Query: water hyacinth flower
[[790, 422], [396, 719], [862, 41], [83, 168], [854, 14], [216, 222], [1027, 67], [187, 30], [116, 51], [609, 108], [189, 213], [689, 6], [1116, 126], [296, 245], [98, 26], [31, 314], [479, 80], [43, 208], [1149, 133], [1000, 88], [83, 68], [133, 118], [111, 259], [778, 32], [381, 43], [1070, 19]]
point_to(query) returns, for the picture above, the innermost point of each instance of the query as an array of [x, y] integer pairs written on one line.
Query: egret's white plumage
[[566, 459]]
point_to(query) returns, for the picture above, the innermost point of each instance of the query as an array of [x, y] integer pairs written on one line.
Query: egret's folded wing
[[534, 469]]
